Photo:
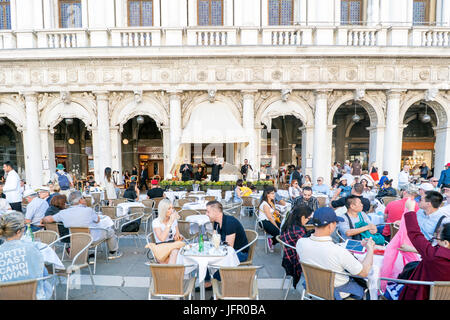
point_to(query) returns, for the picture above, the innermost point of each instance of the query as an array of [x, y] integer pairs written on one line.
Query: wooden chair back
[[237, 282], [210, 198], [440, 290], [319, 282], [182, 202], [46, 236], [109, 211], [186, 213], [394, 229], [18, 290], [251, 235], [167, 279]]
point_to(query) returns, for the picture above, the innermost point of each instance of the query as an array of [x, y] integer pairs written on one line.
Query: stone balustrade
[[350, 36]]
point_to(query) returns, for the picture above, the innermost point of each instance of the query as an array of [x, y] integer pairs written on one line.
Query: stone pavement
[[127, 278]]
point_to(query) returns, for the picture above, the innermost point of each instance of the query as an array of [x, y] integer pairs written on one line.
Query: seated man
[[353, 215], [319, 250], [79, 215], [430, 216], [307, 199], [357, 191], [35, 210], [44, 193], [155, 190], [231, 231], [320, 187]]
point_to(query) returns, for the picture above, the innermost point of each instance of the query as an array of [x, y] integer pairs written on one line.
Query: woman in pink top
[[394, 212]]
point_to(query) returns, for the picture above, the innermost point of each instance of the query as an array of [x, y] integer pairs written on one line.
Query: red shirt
[[394, 211], [435, 264]]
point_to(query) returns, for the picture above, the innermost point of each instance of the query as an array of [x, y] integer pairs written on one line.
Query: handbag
[[377, 238]]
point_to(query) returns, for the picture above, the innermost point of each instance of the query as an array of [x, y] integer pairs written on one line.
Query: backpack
[[132, 227], [63, 181]]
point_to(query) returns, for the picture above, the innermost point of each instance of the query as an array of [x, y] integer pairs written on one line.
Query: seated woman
[[435, 263], [132, 192], [22, 259], [294, 190], [269, 217], [237, 191], [365, 184], [165, 228], [387, 190], [343, 189], [308, 182], [57, 204], [292, 230]]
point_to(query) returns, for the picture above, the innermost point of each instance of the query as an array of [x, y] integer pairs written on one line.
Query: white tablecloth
[[104, 223], [195, 206], [50, 255], [228, 195], [215, 192], [283, 193], [143, 197], [374, 274], [171, 195], [124, 208], [376, 218], [200, 219], [230, 260]]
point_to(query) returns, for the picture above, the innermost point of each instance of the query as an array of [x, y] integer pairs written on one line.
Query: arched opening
[[419, 138], [142, 145], [73, 148], [11, 146], [283, 144], [350, 135]]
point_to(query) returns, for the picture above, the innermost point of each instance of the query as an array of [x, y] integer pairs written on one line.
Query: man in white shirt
[[320, 251], [12, 187], [35, 210], [403, 178]]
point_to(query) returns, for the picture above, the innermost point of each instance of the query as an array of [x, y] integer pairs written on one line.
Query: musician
[[269, 217]]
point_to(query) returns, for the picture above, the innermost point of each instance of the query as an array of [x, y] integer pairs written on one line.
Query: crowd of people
[[421, 213]]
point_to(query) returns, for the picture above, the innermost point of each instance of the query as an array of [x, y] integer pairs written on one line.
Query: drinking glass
[[216, 240]]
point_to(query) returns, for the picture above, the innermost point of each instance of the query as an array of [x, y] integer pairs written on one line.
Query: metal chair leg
[[289, 288], [67, 287], [92, 278], [282, 283], [95, 259]]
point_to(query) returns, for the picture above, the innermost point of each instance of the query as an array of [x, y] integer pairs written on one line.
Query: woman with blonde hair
[[23, 259], [165, 228]]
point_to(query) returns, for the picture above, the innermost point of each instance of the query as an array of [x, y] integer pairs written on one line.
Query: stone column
[[322, 142], [48, 153], [441, 149], [174, 129], [166, 136], [307, 149], [376, 142], [116, 150], [33, 158], [103, 129], [248, 123], [392, 141]]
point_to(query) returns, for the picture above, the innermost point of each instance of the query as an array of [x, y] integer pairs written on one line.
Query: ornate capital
[[285, 93], [101, 95], [322, 93], [394, 93], [430, 94]]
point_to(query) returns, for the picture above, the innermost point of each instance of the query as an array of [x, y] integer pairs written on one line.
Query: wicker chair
[[210, 198], [182, 202], [168, 281], [234, 210], [148, 212], [79, 251], [115, 202], [94, 244], [46, 236], [185, 230], [291, 279], [134, 216], [186, 213], [393, 229], [319, 282], [150, 238], [439, 290], [89, 202], [54, 226], [247, 203], [322, 202], [192, 199], [238, 283], [252, 237], [21, 290]]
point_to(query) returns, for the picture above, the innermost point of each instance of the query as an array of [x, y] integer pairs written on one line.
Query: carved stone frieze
[[262, 96]]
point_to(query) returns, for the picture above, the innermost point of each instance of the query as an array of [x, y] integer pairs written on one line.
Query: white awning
[[213, 123]]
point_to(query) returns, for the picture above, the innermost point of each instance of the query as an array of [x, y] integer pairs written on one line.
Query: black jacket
[[186, 173]]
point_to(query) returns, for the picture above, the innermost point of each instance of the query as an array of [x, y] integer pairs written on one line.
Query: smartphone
[[355, 246]]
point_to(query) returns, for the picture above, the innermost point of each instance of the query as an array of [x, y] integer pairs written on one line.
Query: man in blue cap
[[320, 251]]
